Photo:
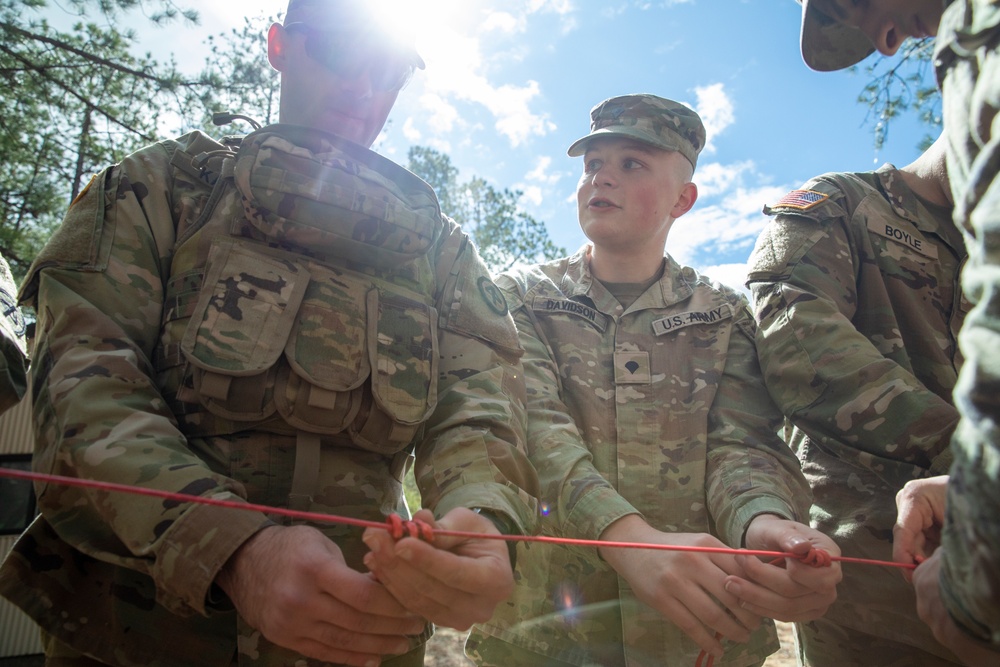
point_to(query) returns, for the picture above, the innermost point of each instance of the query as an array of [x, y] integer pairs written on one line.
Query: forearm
[[100, 416], [833, 383], [579, 500], [473, 452], [750, 471]]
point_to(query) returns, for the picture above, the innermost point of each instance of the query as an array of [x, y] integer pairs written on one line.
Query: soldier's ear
[[686, 199], [277, 46]]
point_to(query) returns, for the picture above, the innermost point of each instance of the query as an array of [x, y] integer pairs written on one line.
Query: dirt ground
[[445, 649]]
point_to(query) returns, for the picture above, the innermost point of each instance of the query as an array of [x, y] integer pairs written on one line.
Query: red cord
[[418, 529], [421, 530], [400, 528]]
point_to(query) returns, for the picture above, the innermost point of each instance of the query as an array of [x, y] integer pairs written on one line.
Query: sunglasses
[[387, 69]]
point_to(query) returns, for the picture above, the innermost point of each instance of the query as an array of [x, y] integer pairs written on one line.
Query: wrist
[[505, 526], [625, 529]]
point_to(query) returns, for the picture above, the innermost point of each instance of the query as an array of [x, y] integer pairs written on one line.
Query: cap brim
[[579, 147], [828, 45]]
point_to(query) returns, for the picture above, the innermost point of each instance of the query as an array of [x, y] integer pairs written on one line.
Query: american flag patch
[[802, 200]]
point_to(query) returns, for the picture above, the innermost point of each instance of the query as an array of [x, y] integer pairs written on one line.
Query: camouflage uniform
[[12, 328], [968, 69], [282, 324], [855, 285], [657, 409]]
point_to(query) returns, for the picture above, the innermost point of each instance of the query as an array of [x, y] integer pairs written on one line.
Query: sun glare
[[427, 22]]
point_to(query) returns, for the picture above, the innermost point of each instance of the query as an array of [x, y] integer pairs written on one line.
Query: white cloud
[[457, 72], [539, 181], [726, 220], [541, 174], [515, 19], [530, 194], [503, 22], [411, 133], [443, 115], [515, 120], [716, 110], [715, 178], [732, 275]]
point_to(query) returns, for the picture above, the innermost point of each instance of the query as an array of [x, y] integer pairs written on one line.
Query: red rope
[[398, 528]]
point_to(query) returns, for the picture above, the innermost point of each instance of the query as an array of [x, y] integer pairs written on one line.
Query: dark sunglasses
[[387, 69]]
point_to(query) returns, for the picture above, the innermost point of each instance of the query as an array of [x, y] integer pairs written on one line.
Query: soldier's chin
[[343, 125]]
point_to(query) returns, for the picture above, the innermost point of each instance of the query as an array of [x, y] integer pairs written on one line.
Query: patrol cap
[[647, 118], [828, 44], [354, 19]]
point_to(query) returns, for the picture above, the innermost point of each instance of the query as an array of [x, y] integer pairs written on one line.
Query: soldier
[[916, 535], [856, 291], [961, 604], [283, 323], [648, 422], [15, 351]]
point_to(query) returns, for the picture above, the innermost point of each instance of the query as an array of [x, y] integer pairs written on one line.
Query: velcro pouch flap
[[246, 309], [402, 341], [332, 196], [327, 346]]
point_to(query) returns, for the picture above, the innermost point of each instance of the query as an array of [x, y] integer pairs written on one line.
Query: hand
[[681, 585], [293, 585], [917, 533], [454, 581], [931, 609], [796, 591]]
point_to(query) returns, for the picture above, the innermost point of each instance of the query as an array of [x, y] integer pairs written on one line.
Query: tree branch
[[70, 91]]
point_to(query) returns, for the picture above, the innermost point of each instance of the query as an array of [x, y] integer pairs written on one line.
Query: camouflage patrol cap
[[647, 118], [354, 18], [827, 44]]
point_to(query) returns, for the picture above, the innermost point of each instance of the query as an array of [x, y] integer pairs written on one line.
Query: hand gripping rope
[[399, 528]]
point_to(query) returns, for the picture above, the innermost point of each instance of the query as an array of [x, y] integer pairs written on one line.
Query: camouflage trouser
[[488, 651], [491, 652], [822, 643], [58, 654]]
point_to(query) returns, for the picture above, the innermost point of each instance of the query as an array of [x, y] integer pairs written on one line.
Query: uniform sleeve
[[750, 470], [13, 355], [577, 500], [98, 291], [824, 374], [473, 453], [970, 580]]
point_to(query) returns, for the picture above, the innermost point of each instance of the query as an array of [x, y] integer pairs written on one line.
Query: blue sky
[[509, 85]]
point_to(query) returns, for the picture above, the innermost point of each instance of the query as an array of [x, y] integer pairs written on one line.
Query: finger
[[746, 620], [364, 596], [446, 588], [333, 614], [771, 577], [468, 567], [693, 628], [715, 610], [727, 563]]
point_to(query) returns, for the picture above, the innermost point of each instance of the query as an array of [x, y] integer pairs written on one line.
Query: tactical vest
[[301, 297]]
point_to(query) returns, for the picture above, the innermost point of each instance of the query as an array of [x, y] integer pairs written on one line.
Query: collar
[[673, 287]]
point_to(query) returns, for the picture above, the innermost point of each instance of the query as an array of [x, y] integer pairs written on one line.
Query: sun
[[427, 22]]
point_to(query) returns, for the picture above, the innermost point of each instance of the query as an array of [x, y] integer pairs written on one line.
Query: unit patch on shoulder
[[493, 296], [801, 200]]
